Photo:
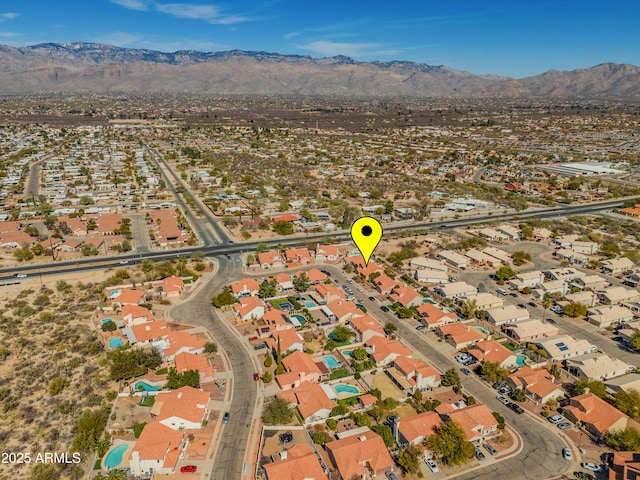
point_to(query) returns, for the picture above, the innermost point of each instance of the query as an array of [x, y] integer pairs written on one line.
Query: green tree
[[277, 412], [628, 402], [385, 432], [610, 249], [500, 419], [109, 326], [268, 361], [468, 308], [88, 250], [595, 386], [450, 378], [359, 354], [409, 459], [23, 254], [505, 273], [175, 380], [89, 429], [625, 440], [332, 423], [493, 372], [283, 228], [137, 429], [520, 257], [57, 385], [320, 438], [634, 341], [43, 471], [341, 334], [574, 310], [301, 283], [268, 288], [210, 347], [526, 232], [519, 395], [388, 207], [262, 247], [62, 286], [556, 371], [267, 377], [449, 443], [389, 328], [223, 298], [339, 411]]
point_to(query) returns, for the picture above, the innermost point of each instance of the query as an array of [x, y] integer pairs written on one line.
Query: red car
[[251, 339], [256, 377], [188, 469]]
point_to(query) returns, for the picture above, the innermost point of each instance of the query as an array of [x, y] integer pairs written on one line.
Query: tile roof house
[[284, 282], [384, 283], [246, 287], [273, 321], [270, 259], [200, 363], [108, 223], [537, 384], [366, 270], [460, 335], [598, 366], [156, 451], [135, 315], [419, 375], [406, 296], [561, 347], [343, 311], [484, 300], [298, 463], [494, 352], [607, 315], [360, 456], [365, 327], [300, 367], [249, 308], [299, 256], [178, 342], [290, 340], [129, 297], [507, 314], [325, 294], [183, 408], [597, 416], [77, 226], [431, 316], [417, 428], [172, 286], [327, 253], [384, 351], [455, 290], [311, 400], [530, 330], [477, 421], [149, 331], [614, 295], [625, 465], [313, 275], [617, 265]]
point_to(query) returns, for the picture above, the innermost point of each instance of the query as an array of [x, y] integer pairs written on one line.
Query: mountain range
[[90, 67]]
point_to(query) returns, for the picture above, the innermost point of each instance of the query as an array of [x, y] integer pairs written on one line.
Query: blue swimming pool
[[115, 342], [331, 362], [520, 360], [114, 457], [106, 320], [145, 386], [309, 304], [114, 294], [347, 353], [341, 388]]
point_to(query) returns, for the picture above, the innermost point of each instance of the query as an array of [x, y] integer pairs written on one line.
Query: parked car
[[591, 466], [479, 455], [551, 321], [522, 305], [432, 465], [373, 299], [499, 385], [260, 346], [502, 400], [564, 425], [557, 419], [421, 327], [504, 391], [466, 371], [225, 419], [256, 377], [513, 294], [391, 476], [515, 407], [566, 454], [253, 339], [490, 449], [533, 304], [326, 272], [384, 308], [188, 469]]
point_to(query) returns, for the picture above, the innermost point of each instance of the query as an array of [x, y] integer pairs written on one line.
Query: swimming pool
[[114, 457], [115, 342], [520, 360], [482, 330], [342, 388], [301, 320], [106, 320], [310, 304], [347, 353], [331, 362], [145, 386], [114, 294]]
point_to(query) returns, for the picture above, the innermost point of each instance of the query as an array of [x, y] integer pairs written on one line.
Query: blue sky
[[513, 38]]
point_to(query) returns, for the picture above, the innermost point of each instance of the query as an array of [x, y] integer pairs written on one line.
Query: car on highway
[[188, 469], [256, 377], [225, 419], [466, 371], [502, 400], [21, 275], [479, 455], [230, 242], [557, 419], [591, 466], [260, 346], [123, 262], [566, 454], [564, 425], [432, 465], [490, 449]]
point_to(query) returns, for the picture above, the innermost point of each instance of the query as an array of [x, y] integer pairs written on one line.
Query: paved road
[[32, 185], [228, 463], [541, 455]]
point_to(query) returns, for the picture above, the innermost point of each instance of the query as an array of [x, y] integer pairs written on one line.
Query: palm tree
[[546, 303], [469, 308], [117, 475]]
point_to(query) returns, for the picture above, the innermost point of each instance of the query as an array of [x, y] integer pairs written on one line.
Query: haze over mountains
[[89, 67]]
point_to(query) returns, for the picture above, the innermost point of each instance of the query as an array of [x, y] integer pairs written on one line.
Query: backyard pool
[[145, 386], [106, 320], [482, 330], [300, 319], [115, 342], [346, 353], [114, 294], [520, 360], [342, 388], [331, 362], [114, 457], [310, 304]]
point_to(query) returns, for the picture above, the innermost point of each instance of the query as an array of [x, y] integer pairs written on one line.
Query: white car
[[432, 465], [566, 454], [591, 466], [502, 400], [21, 275], [557, 419], [124, 262]]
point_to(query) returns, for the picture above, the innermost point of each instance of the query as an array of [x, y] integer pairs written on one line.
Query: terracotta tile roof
[[287, 217], [156, 440], [490, 351], [300, 362], [431, 314], [342, 308], [246, 305], [75, 224], [283, 277], [133, 297], [313, 275], [190, 361], [309, 397], [535, 380], [383, 348], [178, 340], [384, 283], [365, 271], [591, 409], [357, 260], [364, 323], [9, 226], [245, 285], [326, 290], [473, 419], [297, 254], [136, 311], [461, 333], [404, 295], [626, 466], [421, 425], [269, 258], [408, 366], [150, 330], [301, 464], [108, 222], [17, 237], [173, 284], [288, 339], [367, 399], [352, 454], [328, 250], [186, 402]]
